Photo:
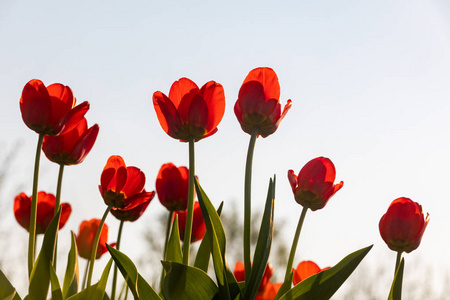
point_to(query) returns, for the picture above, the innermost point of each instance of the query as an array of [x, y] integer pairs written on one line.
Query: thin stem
[[397, 262], [95, 245], [83, 286], [58, 205], [190, 207], [119, 237], [247, 204], [32, 235], [168, 230], [295, 243]]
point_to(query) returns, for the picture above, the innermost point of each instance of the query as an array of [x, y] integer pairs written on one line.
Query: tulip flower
[[269, 292], [198, 224], [45, 211], [314, 185], [85, 238], [50, 110], [71, 147], [258, 104], [172, 185], [190, 112], [304, 270], [403, 225], [239, 274], [122, 186], [136, 212]]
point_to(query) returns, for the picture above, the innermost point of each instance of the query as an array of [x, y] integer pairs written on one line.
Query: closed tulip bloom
[[172, 187], [71, 147], [136, 212], [86, 237], [121, 185], [198, 224], [314, 185], [258, 104], [239, 274], [45, 211], [50, 110], [403, 225], [190, 112], [304, 270]]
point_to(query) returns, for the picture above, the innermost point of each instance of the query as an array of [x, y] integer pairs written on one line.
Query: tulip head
[[45, 211], [50, 110], [172, 187], [304, 270], [198, 224], [190, 112], [403, 225], [258, 105], [86, 238], [71, 147], [136, 212], [314, 185]]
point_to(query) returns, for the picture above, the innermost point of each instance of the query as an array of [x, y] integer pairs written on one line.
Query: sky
[[369, 82]]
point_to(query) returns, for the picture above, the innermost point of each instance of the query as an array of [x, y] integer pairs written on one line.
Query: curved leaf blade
[[70, 284], [7, 291], [396, 288]]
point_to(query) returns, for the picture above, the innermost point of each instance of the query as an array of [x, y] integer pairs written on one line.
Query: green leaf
[[263, 245], [70, 284], [396, 288], [186, 282], [40, 275], [216, 236], [96, 291], [7, 291], [324, 284], [56, 287], [286, 286], [138, 286], [174, 252], [204, 251]]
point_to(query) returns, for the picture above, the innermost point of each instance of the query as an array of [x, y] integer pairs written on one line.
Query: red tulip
[[314, 185], [239, 274], [190, 112], [86, 238], [198, 224], [304, 270], [136, 212], [403, 225], [71, 147], [172, 187], [269, 292], [50, 110], [122, 185], [258, 104], [45, 211]]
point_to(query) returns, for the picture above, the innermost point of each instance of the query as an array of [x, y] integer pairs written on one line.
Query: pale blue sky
[[369, 82]]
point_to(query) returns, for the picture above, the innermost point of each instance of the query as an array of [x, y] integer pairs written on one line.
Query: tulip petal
[[180, 89], [85, 144], [167, 114], [292, 180], [73, 117], [135, 182], [268, 79], [114, 175], [214, 97], [35, 105]]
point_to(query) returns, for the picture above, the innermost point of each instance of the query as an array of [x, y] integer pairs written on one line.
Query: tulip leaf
[[396, 289], [138, 286], [56, 287], [96, 291], [186, 282], [174, 252], [228, 287], [40, 275], [70, 284], [204, 251], [7, 291], [324, 284], [286, 286], [263, 245]]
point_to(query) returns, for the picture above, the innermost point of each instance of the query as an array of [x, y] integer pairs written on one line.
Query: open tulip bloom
[[188, 114]]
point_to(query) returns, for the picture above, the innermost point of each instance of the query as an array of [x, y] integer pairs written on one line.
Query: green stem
[[32, 229], [168, 230], [247, 204], [83, 286], [295, 243], [397, 262], [95, 245], [119, 237], [58, 206], [190, 207]]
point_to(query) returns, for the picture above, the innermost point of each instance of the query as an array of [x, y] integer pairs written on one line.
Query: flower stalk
[[190, 206], [114, 282], [295, 243]]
